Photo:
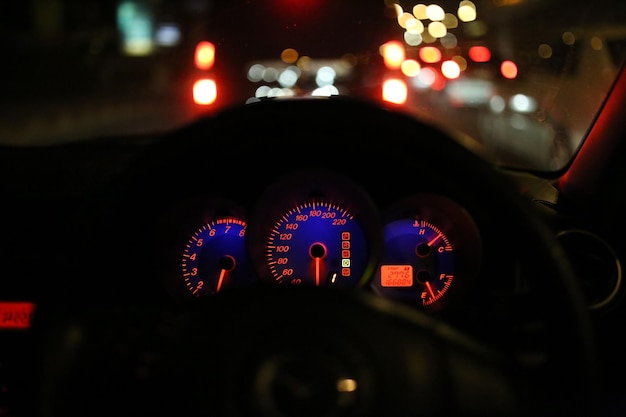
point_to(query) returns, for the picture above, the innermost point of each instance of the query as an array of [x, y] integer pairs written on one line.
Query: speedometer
[[315, 229], [317, 243]]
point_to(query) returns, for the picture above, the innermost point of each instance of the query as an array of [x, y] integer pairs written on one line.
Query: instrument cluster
[[316, 228]]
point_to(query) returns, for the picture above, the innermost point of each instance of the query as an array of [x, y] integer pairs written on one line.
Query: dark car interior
[[312, 256]]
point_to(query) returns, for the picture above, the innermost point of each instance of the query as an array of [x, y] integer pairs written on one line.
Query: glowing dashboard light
[[508, 69], [204, 56], [204, 91], [393, 54], [395, 91], [430, 54], [479, 54], [16, 314], [450, 69]]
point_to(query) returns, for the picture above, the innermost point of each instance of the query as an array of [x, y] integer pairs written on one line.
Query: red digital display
[[16, 314], [396, 275]]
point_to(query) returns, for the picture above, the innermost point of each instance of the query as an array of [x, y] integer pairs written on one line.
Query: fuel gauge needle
[[429, 288]]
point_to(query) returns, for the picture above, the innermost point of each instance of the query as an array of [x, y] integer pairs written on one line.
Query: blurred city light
[[205, 91], [204, 56], [393, 54], [450, 69], [167, 34], [430, 54], [508, 69], [395, 91], [479, 54], [467, 11], [411, 68], [134, 21]]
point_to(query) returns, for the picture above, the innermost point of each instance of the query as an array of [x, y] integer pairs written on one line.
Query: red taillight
[[395, 91], [204, 88], [204, 91], [508, 69], [204, 56]]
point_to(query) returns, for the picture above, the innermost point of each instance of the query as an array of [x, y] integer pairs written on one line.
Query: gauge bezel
[[299, 188]]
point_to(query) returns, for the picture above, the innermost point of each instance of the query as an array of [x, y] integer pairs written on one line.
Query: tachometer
[[317, 243], [215, 257], [201, 247]]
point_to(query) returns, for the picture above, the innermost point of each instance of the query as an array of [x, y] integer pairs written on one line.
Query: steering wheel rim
[[568, 367]]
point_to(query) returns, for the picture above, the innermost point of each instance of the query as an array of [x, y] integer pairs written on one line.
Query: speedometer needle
[[317, 271], [317, 252]]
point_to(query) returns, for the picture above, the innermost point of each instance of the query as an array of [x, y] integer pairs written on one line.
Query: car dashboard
[[327, 194]]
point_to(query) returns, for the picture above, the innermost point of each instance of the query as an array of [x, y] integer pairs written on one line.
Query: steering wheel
[[281, 351]]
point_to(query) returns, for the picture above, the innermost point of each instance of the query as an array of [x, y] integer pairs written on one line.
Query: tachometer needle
[[220, 279]]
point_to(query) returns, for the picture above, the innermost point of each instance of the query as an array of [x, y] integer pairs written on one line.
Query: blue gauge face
[[418, 263], [215, 257], [319, 244]]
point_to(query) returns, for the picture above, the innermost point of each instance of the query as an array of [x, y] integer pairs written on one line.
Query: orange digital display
[[396, 275], [16, 314]]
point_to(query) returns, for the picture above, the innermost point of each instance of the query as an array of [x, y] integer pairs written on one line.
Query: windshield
[[525, 78]]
